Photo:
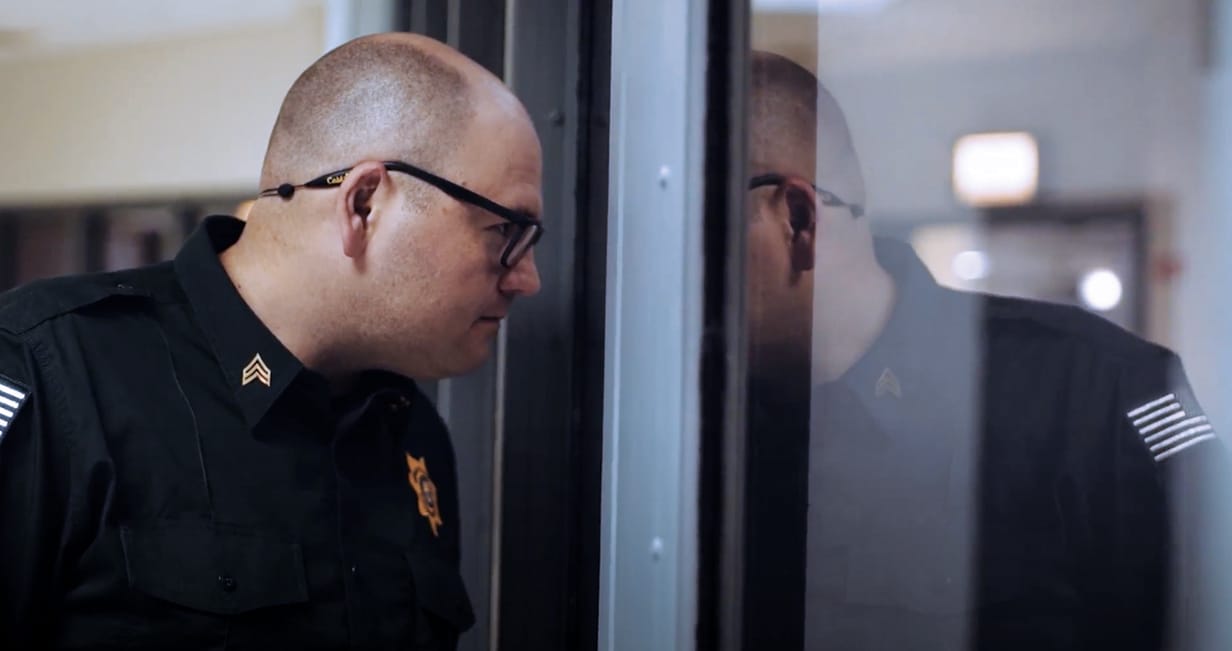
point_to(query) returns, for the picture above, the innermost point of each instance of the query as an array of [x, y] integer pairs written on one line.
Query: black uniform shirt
[[993, 473], [171, 476]]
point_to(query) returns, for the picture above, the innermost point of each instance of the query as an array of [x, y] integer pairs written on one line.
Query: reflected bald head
[[796, 125], [383, 97]]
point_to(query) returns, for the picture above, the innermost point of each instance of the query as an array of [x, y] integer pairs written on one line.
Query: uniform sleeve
[[1162, 417], [33, 461]]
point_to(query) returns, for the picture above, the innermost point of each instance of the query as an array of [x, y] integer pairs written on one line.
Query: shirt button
[[226, 582]]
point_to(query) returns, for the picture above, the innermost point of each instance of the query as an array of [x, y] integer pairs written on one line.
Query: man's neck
[[280, 302], [851, 310]]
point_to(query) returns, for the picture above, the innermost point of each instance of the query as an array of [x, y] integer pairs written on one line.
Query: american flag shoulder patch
[[13, 396], [1167, 427]]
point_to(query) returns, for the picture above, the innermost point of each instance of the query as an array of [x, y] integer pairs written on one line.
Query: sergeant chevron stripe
[[257, 371], [12, 398], [1166, 428]]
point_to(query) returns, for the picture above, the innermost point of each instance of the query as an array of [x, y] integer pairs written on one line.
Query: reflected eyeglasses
[[524, 234], [827, 198]]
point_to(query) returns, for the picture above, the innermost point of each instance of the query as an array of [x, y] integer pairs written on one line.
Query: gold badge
[[888, 384], [426, 490], [257, 370]]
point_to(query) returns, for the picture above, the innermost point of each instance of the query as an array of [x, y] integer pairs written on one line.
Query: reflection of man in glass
[[932, 469]]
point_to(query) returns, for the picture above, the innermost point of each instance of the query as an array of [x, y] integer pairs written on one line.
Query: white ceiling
[[921, 30], [821, 6], [44, 26], [848, 33]]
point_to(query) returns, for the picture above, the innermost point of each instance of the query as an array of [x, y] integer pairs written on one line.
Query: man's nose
[[523, 278]]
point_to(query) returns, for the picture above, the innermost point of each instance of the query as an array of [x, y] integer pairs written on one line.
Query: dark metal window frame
[[721, 507], [542, 578]]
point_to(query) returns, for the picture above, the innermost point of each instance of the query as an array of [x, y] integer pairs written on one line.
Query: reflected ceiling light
[[821, 6], [971, 265], [1101, 289], [996, 169]]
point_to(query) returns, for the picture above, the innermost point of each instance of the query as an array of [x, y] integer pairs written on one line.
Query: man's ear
[[356, 197], [802, 217]]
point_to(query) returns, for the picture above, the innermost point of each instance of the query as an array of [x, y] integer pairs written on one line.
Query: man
[[932, 469], [226, 451]]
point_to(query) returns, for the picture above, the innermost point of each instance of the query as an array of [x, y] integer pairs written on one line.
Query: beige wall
[[188, 117]]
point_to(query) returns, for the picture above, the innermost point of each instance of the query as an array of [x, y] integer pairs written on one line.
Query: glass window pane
[[980, 372]]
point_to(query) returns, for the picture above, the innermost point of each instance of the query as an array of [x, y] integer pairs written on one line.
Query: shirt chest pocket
[[212, 568]]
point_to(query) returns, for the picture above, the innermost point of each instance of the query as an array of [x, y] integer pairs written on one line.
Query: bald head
[[796, 126], [382, 97]]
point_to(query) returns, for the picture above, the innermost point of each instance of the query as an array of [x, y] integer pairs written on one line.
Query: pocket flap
[[211, 567]]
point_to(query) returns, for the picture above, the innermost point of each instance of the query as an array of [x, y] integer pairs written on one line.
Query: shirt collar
[[257, 367], [919, 383], [931, 334]]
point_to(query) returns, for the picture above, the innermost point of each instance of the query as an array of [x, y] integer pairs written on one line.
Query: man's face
[[779, 295], [446, 292], [780, 280]]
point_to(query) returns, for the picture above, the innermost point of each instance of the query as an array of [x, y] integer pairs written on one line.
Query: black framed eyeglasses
[[827, 198], [526, 229]]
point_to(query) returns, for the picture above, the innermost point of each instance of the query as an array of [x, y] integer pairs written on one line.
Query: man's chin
[[469, 361], [444, 368]]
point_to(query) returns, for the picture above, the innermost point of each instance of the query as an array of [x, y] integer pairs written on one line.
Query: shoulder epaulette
[[26, 307]]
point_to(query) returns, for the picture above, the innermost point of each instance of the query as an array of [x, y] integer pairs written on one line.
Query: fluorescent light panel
[[996, 169]]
